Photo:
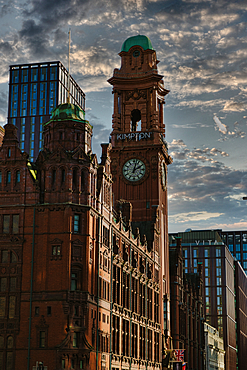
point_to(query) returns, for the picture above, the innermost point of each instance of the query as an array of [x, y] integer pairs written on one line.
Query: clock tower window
[[135, 118]]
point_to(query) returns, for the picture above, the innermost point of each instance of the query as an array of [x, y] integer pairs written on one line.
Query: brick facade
[[83, 285]]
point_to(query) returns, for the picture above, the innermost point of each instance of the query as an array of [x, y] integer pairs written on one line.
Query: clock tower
[[139, 156]]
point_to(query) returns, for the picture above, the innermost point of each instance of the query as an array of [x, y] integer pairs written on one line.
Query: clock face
[[134, 169], [136, 53]]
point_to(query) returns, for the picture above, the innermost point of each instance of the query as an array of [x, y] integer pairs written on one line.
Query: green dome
[[139, 40], [67, 111]]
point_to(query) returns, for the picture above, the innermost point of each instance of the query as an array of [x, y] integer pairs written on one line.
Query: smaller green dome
[[139, 40], [67, 111]]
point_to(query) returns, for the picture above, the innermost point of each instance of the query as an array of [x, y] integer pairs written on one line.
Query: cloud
[[194, 216], [235, 106], [178, 150]]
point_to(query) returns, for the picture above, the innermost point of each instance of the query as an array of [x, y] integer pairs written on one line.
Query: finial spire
[[68, 98]]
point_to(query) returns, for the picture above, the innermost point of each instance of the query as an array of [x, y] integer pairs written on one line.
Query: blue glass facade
[[34, 91]]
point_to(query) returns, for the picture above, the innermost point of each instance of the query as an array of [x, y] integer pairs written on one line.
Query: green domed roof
[[67, 111], [139, 40]]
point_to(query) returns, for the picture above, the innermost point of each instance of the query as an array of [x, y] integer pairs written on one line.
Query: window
[[76, 223], [6, 223], [48, 310], [75, 339], [75, 177], [5, 256], [3, 284], [9, 152], [195, 252], [36, 311], [74, 281], [218, 262], [12, 285], [238, 256], [10, 342], [218, 252], [18, 177], [42, 339], [53, 177], [12, 303], [2, 307], [8, 177], [56, 250], [63, 176], [0, 177], [15, 224], [9, 361], [13, 257]]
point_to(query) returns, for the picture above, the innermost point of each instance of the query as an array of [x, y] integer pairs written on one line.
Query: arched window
[[10, 342], [8, 177], [63, 176], [135, 118], [74, 177], [9, 152], [53, 177], [18, 177], [82, 180]]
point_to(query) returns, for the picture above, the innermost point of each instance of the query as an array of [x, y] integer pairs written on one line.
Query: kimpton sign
[[135, 136]]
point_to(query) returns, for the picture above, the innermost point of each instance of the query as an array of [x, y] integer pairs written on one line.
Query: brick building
[[83, 285], [187, 318], [207, 247]]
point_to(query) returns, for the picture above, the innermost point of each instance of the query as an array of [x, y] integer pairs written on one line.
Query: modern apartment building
[[207, 247], [34, 91], [237, 244]]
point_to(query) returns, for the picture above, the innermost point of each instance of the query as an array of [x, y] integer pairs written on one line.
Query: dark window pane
[[18, 176], [12, 284], [5, 256], [9, 361], [13, 257], [3, 284], [41, 339], [11, 307], [2, 306], [15, 224], [6, 222], [10, 342], [8, 177], [76, 223]]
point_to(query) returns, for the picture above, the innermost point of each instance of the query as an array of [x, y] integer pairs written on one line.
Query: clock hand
[[137, 168], [134, 167]]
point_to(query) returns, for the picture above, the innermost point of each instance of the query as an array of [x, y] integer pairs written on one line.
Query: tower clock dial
[[134, 169]]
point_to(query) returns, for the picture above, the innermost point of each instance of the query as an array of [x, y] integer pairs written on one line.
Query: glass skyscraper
[[34, 90]]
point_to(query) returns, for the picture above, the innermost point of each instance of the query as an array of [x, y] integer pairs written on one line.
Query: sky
[[202, 48]]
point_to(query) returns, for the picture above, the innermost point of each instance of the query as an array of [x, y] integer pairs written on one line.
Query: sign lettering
[[135, 136]]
